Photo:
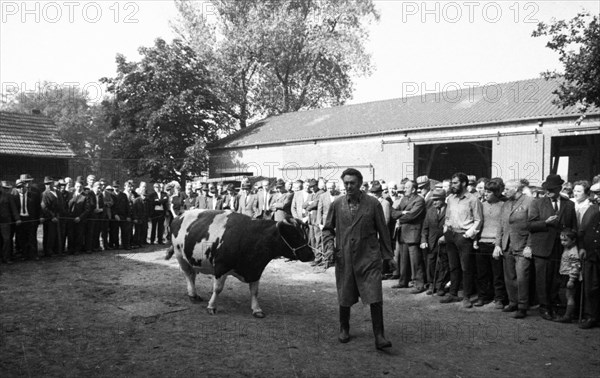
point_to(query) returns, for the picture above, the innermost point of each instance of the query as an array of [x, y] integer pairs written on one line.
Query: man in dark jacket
[[9, 215], [432, 240], [122, 218], [410, 214], [79, 210], [51, 208], [548, 217]]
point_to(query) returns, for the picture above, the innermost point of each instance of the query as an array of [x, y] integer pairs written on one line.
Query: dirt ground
[[127, 315]]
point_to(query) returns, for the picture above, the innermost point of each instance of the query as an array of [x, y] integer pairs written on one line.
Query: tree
[[272, 57], [165, 112], [578, 43]]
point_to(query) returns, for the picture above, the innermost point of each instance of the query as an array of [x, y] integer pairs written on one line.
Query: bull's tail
[[170, 253]]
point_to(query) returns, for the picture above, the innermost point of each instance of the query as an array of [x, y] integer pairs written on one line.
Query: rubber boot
[[568, 316], [377, 320], [344, 336]]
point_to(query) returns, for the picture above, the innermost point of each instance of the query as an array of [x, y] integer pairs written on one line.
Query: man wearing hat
[[282, 202], [248, 203], [65, 195], [52, 207], [202, 199], [432, 240], [79, 209], [159, 202], [424, 190], [122, 218], [9, 215], [548, 217], [93, 224], [29, 207], [410, 215], [310, 205]]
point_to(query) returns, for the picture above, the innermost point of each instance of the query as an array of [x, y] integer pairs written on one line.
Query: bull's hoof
[[195, 299], [258, 314], [211, 311]]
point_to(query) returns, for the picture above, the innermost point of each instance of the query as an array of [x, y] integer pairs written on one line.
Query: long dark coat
[[360, 246]]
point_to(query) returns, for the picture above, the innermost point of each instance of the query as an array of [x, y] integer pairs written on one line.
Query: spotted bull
[[222, 243]]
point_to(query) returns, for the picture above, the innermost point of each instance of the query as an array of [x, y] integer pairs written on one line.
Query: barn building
[[29, 143], [511, 130]]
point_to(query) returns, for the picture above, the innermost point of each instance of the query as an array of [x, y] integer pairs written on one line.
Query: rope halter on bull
[[288, 244]]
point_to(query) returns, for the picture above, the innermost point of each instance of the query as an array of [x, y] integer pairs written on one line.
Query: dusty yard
[[123, 315]]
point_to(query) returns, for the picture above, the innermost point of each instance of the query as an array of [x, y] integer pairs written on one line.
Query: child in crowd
[[570, 269]]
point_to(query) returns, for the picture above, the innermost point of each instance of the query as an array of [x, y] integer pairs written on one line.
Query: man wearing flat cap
[[432, 240], [548, 216], [9, 215], [282, 203], [424, 190]]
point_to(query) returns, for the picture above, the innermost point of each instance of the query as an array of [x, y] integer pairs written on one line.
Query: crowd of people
[[501, 243]]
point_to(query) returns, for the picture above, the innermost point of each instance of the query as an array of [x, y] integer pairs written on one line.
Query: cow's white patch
[[206, 247]]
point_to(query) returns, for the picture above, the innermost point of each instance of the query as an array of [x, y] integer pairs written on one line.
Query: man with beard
[[463, 223]]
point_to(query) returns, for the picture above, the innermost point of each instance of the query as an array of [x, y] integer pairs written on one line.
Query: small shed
[[29, 143]]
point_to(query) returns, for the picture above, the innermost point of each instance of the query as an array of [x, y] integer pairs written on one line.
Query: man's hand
[[582, 254], [552, 220], [571, 284], [527, 252], [321, 226], [497, 252], [19, 222], [442, 240], [392, 264], [42, 220], [55, 220], [118, 218], [77, 220], [424, 245]]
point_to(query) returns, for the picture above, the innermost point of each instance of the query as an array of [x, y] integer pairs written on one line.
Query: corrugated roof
[[31, 135], [494, 103]]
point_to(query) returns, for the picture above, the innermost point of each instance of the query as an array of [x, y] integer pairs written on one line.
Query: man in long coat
[[356, 223]]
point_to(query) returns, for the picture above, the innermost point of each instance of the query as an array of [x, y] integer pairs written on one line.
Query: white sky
[[76, 42]]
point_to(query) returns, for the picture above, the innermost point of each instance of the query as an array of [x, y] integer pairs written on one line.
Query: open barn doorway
[[576, 157], [440, 161]]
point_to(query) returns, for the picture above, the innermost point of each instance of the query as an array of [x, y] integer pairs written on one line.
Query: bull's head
[[294, 234]]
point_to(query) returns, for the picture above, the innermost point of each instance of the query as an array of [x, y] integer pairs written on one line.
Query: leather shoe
[[520, 314], [429, 292], [399, 286], [466, 303], [498, 305], [417, 290], [545, 314], [509, 308], [479, 303], [450, 299]]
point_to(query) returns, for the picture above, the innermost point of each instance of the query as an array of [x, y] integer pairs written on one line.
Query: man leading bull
[[356, 235]]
